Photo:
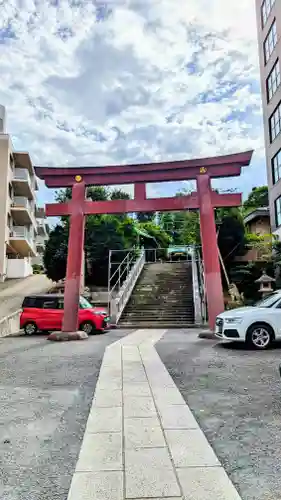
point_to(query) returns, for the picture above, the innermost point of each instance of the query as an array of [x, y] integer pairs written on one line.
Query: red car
[[45, 313]]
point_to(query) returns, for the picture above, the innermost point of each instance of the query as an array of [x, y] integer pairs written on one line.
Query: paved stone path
[[141, 439]]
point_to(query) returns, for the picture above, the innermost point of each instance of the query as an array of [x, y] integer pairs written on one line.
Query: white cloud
[[96, 82]]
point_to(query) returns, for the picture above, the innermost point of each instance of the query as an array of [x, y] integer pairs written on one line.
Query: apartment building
[[269, 39], [18, 225], [41, 237]]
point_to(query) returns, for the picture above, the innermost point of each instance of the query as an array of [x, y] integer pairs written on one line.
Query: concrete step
[[160, 292], [151, 310], [168, 296], [156, 324], [158, 311], [158, 320], [158, 307], [163, 297]]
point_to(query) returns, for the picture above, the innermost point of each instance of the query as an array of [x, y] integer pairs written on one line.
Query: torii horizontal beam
[[189, 202], [220, 166]]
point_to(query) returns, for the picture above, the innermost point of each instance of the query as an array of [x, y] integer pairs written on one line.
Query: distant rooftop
[[256, 214]]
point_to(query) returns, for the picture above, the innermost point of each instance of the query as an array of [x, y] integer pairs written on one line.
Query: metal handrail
[[117, 304], [128, 260], [197, 302], [202, 288]]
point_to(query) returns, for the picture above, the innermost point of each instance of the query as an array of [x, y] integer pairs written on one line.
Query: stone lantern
[[265, 283]]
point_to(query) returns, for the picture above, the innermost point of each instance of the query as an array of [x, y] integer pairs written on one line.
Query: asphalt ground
[[235, 394], [46, 389]]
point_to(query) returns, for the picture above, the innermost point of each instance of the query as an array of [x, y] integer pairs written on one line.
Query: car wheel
[[260, 336], [30, 329], [88, 327]]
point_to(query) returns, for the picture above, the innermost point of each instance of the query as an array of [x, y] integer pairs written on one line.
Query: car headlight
[[101, 313], [232, 321]]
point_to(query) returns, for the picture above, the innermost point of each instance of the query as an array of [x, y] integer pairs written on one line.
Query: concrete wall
[[10, 324], [4, 199], [19, 268]]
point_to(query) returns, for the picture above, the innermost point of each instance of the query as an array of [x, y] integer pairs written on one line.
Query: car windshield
[[268, 301], [85, 304]]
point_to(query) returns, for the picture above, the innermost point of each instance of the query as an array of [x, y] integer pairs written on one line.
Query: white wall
[[19, 268]]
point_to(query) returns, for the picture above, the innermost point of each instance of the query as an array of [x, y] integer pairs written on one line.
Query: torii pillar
[[204, 200], [212, 271]]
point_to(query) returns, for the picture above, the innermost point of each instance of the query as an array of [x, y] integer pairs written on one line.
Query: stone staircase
[[162, 298]]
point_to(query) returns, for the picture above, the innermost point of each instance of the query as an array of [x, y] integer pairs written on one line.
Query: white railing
[[22, 233], [7, 233], [11, 174], [198, 317], [42, 226], [202, 287], [118, 303], [21, 174], [21, 202]]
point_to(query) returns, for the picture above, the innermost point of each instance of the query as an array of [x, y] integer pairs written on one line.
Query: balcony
[[22, 183], [22, 241], [40, 212], [10, 174], [42, 228], [22, 212]]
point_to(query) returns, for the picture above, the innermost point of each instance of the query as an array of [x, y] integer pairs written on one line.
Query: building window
[[277, 204], [265, 10], [276, 167], [275, 123], [270, 41], [273, 80]]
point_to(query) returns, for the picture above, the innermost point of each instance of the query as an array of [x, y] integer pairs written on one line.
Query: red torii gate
[[205, 199]]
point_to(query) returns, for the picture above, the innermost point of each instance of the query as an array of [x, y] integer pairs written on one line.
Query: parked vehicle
[[258, 325], [45, 313]]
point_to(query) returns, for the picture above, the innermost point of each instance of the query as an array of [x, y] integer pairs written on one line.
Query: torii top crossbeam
[[220, 166]]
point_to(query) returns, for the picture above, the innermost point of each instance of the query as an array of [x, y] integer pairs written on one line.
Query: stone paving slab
[[104, 420], [177, 417], [141, 440], [202, 483], [101, 452], [190, 448], [106, 485], [143, 433]]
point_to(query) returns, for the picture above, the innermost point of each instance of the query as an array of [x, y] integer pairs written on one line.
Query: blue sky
[[123, 81]]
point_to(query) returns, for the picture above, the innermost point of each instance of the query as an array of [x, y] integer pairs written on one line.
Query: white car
[[258, 325]]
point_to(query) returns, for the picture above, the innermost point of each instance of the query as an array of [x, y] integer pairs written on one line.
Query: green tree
[[145, 216], [161, 238], [55, 254], [95, 193], [183, 227], [257, 198], [102, 233], [231, 238], [118, 194]]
